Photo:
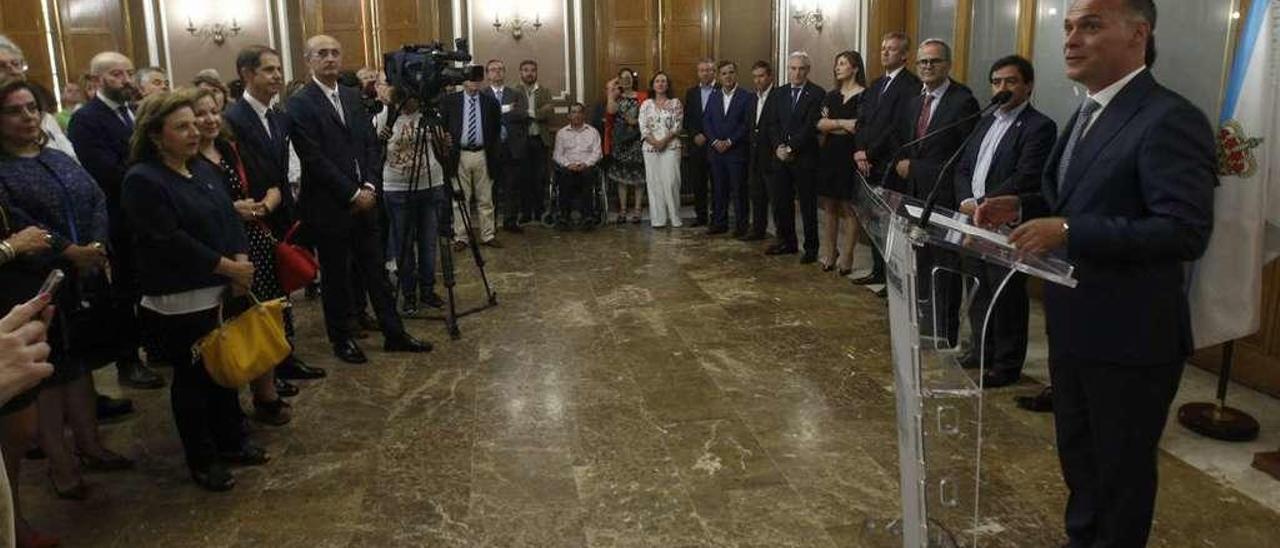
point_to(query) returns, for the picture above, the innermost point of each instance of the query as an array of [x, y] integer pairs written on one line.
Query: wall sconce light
[[516, 24], [809, 17], [217, 32]]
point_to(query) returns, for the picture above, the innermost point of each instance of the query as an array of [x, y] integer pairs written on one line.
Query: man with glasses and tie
[[474, 122], [100, 131], [793, 137], [514, 136], [1127, 197], [341, 177]]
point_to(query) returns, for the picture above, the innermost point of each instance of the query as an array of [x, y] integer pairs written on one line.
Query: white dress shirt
[[728, 98], [1104, 97], [334, 99], [990, 143], [761, 97]]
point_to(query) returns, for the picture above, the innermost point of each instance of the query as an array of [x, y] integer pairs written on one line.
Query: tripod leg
[[450, 281]]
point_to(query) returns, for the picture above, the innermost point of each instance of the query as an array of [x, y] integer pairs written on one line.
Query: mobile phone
[[51, 283]]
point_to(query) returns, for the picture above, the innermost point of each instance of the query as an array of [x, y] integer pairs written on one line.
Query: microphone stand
[[931, 201]]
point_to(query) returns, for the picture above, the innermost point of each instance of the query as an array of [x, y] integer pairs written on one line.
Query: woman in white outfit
[[660, 119]]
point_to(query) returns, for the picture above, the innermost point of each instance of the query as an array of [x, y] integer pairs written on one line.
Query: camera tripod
[[427, 132]]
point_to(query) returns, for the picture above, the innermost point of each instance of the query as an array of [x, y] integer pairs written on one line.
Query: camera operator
[[473, 120], [413, 195]]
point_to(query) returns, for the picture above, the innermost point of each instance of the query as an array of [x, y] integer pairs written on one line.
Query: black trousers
[[694, 179], [758, 176], [535, 179], [728, 185], [125, 291], [1109, 419], [574, 192], [346, 256], [795, 181], [509, 188], [1006, 344], [208, 416]]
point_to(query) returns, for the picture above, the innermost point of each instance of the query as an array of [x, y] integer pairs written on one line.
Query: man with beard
[[539, 141], [100, 132]]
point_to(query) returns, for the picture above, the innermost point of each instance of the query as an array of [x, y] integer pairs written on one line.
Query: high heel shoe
[[826, 266], [110, 462], [79, 491]]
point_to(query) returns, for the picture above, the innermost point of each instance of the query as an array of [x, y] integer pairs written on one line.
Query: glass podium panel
[[930, 290]]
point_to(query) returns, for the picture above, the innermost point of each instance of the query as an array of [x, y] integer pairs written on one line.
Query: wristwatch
[[1066, 229]]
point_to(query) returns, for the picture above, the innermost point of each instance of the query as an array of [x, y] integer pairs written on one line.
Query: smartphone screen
[[51, 283]]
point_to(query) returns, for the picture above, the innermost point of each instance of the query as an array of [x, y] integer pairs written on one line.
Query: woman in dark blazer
[[191, 250], [43, 187]]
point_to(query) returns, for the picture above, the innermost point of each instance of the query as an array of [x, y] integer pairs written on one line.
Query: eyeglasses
[[19, 110], [17, 65], [930, 62]]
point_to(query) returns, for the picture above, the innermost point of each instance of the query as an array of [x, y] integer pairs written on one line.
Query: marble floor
[[634, 388]]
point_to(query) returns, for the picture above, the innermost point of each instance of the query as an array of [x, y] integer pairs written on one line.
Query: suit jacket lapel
[[1114, 117]]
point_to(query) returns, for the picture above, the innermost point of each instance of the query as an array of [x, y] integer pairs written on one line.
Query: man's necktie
[[1082, 121], [795, 96], [273, 125], [125, 117], [498, 94], [473, 121], [884, 85], [337, 105], [922, 121]]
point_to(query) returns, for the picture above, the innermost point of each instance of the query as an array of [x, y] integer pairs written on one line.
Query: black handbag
[[90, 331]]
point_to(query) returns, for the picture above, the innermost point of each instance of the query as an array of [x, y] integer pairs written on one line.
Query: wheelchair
[[597, 202]]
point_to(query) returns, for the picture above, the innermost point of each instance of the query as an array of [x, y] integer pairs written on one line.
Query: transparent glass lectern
[[930, 288]]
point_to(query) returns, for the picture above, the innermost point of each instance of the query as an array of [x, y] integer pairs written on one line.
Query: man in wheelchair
[[576, 153]]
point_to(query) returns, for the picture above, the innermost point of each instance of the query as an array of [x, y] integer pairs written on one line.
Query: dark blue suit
[[795, 124], [1138, 198], [339, 157], [729, 169], [101, 140], [265, 157], [1016, 167]]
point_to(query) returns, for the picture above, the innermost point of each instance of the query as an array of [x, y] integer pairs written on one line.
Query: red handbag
[[296, 267]]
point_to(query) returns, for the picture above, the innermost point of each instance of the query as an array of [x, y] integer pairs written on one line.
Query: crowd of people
[[164, 208]]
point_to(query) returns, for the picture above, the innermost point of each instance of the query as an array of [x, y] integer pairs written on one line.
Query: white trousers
[[662, 178]]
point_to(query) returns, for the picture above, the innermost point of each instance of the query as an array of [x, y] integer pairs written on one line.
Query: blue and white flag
[[1226, 284]]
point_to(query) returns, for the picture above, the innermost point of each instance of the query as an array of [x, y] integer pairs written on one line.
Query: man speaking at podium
[[1127, 197]]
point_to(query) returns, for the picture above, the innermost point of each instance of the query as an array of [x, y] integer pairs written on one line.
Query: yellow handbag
[[247, 346]]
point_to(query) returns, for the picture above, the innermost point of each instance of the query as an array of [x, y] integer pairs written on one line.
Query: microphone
[[996, 102], [932, 200]]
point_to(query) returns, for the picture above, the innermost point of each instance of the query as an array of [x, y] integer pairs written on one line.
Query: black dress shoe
[[248, 455], [997, 378], [739, 233], [433, 300], [512, 228], [214, 477], [275, 413], [717, 230], [134, 374], [295, 369], [780, 249], [110, 408], [1039, 403], [809, 257], [285, 389], [754, 236], [405, 342], [883, 292], [699, 222], [348, 351], [367, 322], [968, 361], [869, 279], [494, 243]]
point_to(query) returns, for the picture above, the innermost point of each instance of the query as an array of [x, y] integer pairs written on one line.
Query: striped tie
[[1082, 121], [473, 121]]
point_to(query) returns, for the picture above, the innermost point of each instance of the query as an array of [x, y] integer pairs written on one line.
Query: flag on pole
[[1226, 284]]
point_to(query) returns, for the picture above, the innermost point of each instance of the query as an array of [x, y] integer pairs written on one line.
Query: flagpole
[[1216, 420]]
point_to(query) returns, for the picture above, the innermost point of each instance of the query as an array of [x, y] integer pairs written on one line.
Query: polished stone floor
[[634, 388]]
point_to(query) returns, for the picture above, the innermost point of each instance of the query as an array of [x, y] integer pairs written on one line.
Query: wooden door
[[402, 22], [345, 20], [626, 36], [685, 39], [89, 27], [23, 22]]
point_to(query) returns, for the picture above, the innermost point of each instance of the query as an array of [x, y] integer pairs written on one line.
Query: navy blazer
[[265, 158], [101, 141], [796, 124], [733, 125], [337, 158], [1019, 159], [1139, 201], [882, 109], [490, 126], [692, 123], [928, 157]]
